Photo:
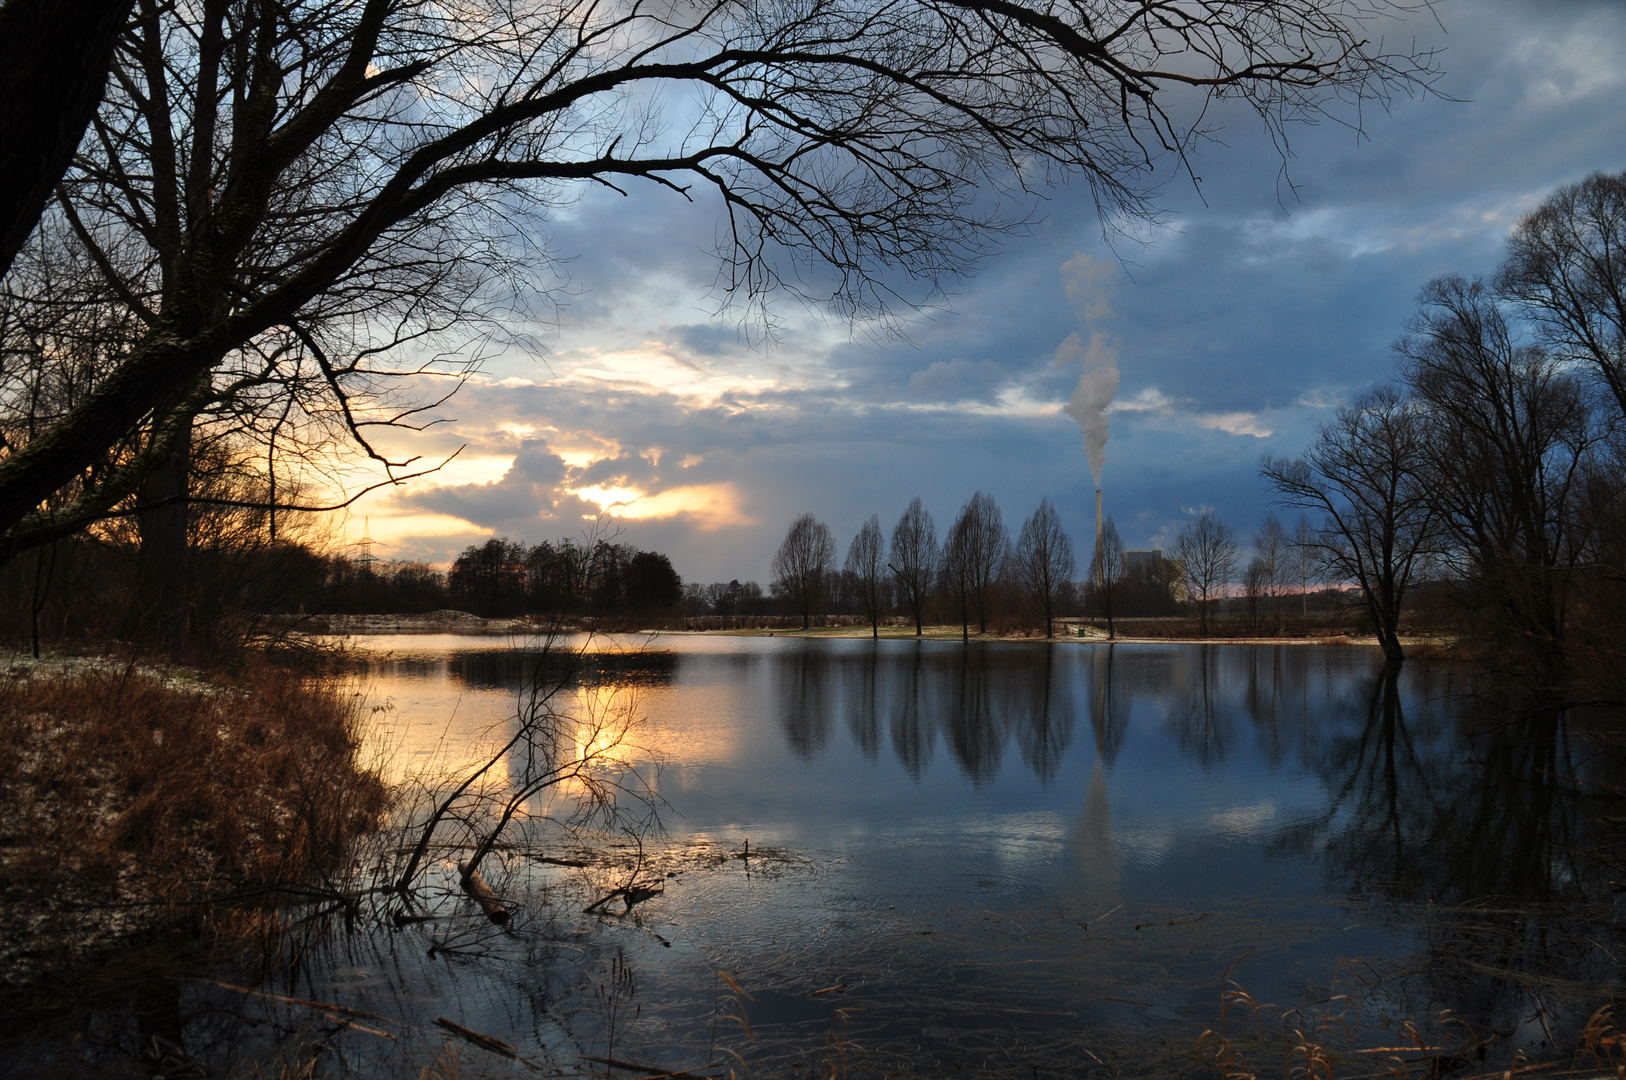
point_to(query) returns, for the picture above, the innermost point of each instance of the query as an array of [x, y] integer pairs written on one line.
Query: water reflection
[[1481, 825], [996, 884], [975, 699], [1434, 800], [1110, 706]]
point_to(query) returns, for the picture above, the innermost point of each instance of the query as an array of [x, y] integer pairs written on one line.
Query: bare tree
[[1107, 573], [1511, 445], [913, 557], [977, 546], [1270, 547], [1566, 268], [957, 576], [1256, 584], [1306, 546], [803, 565], [1206, 549], [303, 193], [1366, 471], [1044, 561], [866, 565]]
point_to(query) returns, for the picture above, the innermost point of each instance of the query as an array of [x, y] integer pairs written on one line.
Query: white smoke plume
[[1085, 279]]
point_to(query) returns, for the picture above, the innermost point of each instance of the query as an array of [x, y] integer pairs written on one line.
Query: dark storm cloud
[[1259, 305]]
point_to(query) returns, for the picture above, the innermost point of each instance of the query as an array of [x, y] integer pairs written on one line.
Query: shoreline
[[464, 623]]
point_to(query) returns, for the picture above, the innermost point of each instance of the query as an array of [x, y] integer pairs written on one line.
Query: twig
[[484, 1042], [321, 1005], [650, 1072]]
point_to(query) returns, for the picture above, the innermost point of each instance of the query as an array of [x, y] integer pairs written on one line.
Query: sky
[[1237, 324]]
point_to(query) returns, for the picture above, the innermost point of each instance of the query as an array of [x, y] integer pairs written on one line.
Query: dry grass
[[1323, 1043], [135, 799]]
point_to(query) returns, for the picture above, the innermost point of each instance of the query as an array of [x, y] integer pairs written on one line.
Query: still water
[[1056, 856], [993, 859]]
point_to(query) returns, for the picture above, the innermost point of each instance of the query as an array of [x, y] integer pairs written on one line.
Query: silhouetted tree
[[1367, 472], [1566, 269], [652, 586], [802, 566], [1106, 573], [913, 557], [866, 566], [54, 58], [979, 545], [1270, 547], [1044, 561], [1305, 551], [1510, 443], [1206, 549], [489, 578]]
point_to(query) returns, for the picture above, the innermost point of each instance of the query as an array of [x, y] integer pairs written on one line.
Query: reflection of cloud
[[1242, 822]]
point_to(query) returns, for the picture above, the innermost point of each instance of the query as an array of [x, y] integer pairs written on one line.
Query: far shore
[[1070, 634], [1069, 630]]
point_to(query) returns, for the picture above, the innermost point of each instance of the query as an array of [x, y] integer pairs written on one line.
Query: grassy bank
[[136, 800]]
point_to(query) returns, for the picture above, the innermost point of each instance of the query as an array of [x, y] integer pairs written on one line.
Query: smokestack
[[1097, 515]]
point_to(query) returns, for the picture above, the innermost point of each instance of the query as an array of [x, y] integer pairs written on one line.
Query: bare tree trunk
[[1392, 652], [157, 613], [54, 57]]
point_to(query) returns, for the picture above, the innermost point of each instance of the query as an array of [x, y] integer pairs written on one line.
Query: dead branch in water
[[476, 886]]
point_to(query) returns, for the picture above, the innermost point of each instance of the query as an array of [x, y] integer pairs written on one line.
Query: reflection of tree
[[1411, 815], [1380, 789], [1044, 721], [509, 669], [973, 732], [1268, 690], [862, 716], [803, 700], [1109, 718], [1203, 730], [911, 732], [1488, 842]]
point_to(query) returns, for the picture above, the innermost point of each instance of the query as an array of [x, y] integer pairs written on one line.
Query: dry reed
[[134, 799]]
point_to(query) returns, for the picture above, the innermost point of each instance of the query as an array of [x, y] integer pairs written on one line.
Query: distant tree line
[[503, 578], [976, 575], [245, 585], [979, 577]]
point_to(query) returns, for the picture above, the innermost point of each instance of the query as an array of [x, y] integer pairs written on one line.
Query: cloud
[[1256, 308], [957, 380], [1151, 401], [709, 506], [1234, 423]]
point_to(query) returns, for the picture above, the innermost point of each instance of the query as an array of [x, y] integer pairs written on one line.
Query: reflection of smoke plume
[[1099, 381], [1091, 838]]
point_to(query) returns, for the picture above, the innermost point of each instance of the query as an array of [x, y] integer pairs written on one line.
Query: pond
[[995, 859]]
